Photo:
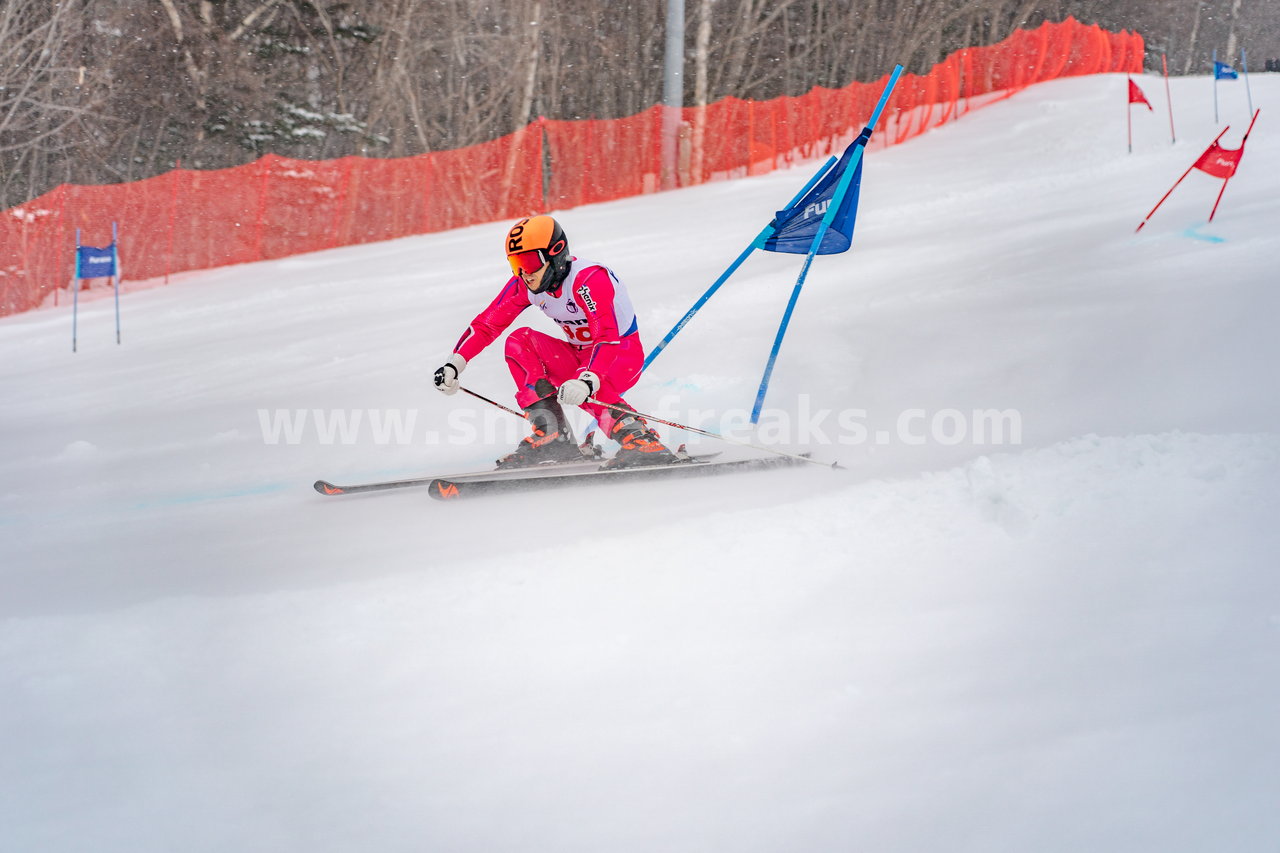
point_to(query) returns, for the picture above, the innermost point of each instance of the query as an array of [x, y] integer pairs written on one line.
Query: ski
[[592, 454], [324, 487], [533, 472], [452, 488]]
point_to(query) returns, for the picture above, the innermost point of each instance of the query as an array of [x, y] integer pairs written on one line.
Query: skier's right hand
[[447, 374]]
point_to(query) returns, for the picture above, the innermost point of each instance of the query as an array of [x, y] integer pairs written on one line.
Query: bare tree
[[115, 90], [50, 105], [1233, 18]]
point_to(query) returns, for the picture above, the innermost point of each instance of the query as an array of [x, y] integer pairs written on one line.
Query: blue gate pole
[[1215, 85], [75, 294], [115, 263], [836, 200], [759, 241], [1244, 63]]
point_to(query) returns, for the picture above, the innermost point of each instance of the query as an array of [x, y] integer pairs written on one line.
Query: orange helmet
[[537, 242]]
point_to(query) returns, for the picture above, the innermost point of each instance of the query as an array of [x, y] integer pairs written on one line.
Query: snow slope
[[1064, 643]]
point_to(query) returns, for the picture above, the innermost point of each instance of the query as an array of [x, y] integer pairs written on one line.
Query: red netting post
[[773, 137], [968, 78], [1042, 54], [425, 164], [26, 263], [853, 105], [340, 200], [1104, 39], [698, 167], [262, 203], [173, 212], [545, 164], [589, 188], [814, 123], [62, 240]]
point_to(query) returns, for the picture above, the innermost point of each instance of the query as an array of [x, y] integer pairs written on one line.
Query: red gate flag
[[1216, 161], [1219, 162], [1136, 96]]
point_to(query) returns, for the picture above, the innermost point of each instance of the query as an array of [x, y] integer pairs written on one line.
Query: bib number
[[577, 334]]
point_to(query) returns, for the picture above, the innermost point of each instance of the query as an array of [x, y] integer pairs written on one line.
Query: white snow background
[[1065, 644]]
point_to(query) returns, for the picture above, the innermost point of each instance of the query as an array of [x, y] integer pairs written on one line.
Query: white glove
[[576, 391], [447, 374]]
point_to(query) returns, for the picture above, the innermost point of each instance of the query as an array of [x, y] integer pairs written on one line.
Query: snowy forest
[[103, 91]]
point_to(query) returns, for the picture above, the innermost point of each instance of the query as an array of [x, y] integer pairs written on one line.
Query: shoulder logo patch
[[586, 298]]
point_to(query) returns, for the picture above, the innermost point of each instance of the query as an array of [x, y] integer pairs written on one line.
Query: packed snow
[[1037, 610]]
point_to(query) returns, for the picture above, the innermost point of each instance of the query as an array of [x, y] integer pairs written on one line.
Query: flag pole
[[1175, 183], [1244, 62], [1227, 179], [1215, 85], [1164, 63], [115, 263], [837, 198], [1128, 111], [75, 294], [759, 241]]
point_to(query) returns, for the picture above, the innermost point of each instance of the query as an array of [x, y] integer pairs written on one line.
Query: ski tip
[[326, 488], [443, 490]]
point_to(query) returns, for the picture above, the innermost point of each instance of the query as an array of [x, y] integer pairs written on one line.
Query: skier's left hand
[[576, 391]]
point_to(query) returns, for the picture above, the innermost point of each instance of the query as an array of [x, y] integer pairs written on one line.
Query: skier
[[600, 358]]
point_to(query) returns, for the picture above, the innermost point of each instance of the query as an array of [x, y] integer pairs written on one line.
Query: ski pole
[[520, 415], [615, 407]]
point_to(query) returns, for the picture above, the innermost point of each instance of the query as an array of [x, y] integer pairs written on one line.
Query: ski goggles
[[527, 263]]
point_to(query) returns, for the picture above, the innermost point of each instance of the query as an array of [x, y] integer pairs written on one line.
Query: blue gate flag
[[1223, 71], [796, 227], [92, 262], [839, 194], [95, 263], [733, 267]]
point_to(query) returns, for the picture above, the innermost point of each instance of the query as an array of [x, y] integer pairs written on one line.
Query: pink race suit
[[593, 310]]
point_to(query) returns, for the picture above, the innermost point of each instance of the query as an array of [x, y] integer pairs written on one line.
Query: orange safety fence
[[276, 206]]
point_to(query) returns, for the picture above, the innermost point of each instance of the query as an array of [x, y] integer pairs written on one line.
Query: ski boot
[[551, 440], [640, 445]]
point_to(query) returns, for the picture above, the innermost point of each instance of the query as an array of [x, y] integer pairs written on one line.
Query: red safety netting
[[186, 220]]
